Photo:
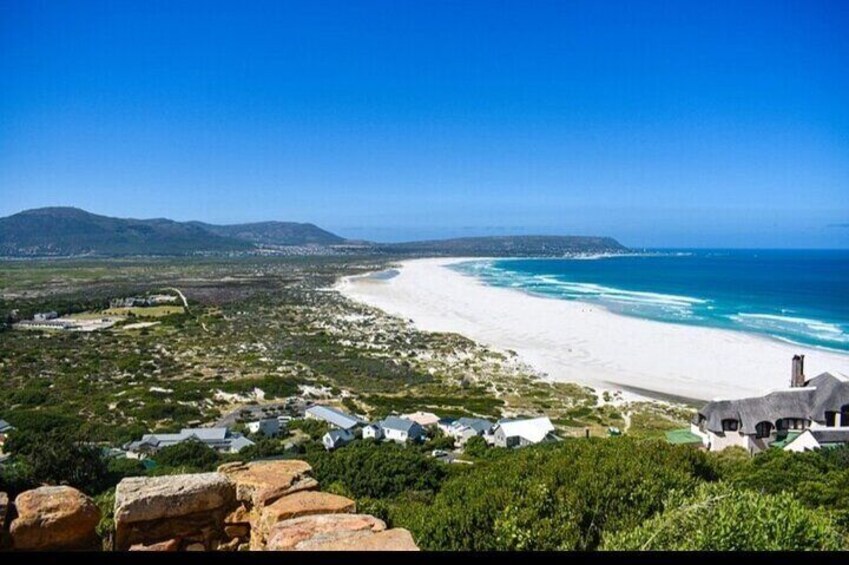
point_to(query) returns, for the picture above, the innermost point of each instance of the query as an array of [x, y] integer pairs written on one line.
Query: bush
[[552, 497], [719, 517], [57, 458], [190, 456], [377, 470]]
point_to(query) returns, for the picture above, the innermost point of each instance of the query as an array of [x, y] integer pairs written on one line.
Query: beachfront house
[[820, 403], [221, 440], [463, 429], [401, 430], [519, 433], [336, 418], [373, 431], [337, 438], [424, 419], [269, 427]]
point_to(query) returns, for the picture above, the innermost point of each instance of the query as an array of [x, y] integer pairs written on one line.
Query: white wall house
[[401, 430], [337, 438], [519, 433], [373, 431]]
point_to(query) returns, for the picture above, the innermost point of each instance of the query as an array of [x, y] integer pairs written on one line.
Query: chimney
[[797, 375]]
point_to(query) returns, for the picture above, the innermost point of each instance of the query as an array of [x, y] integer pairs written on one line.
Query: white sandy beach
[[577, 342]]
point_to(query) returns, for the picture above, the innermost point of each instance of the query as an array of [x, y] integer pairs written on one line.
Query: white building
[[269, 427], [337, 438], [463, 429], [373, 431], [519, 433], [401, 430]]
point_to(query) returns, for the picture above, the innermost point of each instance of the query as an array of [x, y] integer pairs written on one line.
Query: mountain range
[[64, 232]]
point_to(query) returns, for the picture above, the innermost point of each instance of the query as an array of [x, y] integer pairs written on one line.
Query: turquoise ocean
[[800, 296]]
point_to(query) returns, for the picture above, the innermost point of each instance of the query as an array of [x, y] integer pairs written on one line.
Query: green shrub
[[191, 456], [552, 497], [377, 470], [720, 517]]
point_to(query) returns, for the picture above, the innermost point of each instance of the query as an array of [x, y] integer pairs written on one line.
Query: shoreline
[[572, 341]]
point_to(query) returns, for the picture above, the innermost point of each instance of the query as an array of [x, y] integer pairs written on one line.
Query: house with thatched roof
[[758, 422]]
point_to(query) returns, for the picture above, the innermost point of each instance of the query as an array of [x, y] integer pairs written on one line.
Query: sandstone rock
[[240, 531], [139, 499], [154, 509], [305, 503], [195, 547], [397, 539], [289, 534], [51, 518], [240, 515], [262, 482], [169, 545], [231, 545]]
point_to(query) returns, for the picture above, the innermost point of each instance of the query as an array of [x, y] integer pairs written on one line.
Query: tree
[[720, 517], [191, 456], [475, 447], [377, 470], [57, 458]]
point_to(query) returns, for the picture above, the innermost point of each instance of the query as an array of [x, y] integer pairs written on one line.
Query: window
[[831, 419], [730, 425], [763, 429]]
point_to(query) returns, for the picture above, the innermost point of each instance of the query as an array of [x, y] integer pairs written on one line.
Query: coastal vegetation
[[261, 330]]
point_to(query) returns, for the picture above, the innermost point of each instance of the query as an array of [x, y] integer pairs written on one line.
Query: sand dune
[[579, 342]]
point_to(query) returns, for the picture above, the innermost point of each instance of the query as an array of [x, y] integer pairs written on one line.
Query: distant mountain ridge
[[275, 233], [61, 232], [509, 246], [65, 231]]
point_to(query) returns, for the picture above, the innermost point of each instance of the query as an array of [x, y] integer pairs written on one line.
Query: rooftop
[[820, 394], [533, 429], [334, 416], [400, 424]]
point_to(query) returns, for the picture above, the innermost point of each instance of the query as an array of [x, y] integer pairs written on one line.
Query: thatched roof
[[820, 394]]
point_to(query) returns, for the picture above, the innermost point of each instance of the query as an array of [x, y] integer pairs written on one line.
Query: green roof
[[682, 436], [786, 441]]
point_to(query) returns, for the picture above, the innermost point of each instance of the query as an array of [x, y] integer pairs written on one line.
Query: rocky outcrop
[[296, 533], [55, 518], [168, 545], [263, 505], [262, 482], [304, 503], [189, 508], [396, 539]]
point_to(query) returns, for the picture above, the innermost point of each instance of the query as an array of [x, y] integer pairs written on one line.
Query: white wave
[[808, 322], [804, 326]]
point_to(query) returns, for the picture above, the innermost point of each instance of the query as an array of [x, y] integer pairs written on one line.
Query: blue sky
[[659, 123]]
